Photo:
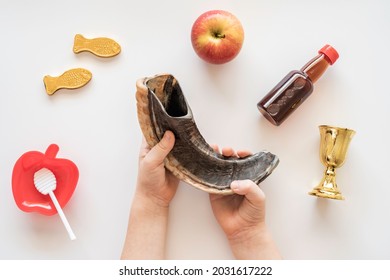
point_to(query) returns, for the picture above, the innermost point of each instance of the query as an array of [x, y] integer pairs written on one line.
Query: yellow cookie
[[71, 79], [102, 47]]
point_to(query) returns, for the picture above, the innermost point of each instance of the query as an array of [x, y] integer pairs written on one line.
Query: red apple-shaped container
[[27, 197]]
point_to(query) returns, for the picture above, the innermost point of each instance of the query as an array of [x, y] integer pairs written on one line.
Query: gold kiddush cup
[[333, 150]]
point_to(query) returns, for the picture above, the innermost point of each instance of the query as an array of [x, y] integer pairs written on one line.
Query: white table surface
[[97, 127]]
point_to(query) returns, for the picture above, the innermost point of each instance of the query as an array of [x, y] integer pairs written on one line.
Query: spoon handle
[[62, 216]]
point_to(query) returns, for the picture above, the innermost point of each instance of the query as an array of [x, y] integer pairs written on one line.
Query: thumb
[[158, 153], [250, 190]]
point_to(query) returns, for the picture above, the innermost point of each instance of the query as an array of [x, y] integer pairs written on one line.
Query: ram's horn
[[162, 106]]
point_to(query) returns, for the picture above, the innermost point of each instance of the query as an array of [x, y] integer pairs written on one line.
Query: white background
[[97, 127]]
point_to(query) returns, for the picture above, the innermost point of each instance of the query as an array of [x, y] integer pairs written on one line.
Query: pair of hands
[[241, 215]]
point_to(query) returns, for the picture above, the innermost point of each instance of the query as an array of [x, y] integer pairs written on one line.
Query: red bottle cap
[[330, 53]]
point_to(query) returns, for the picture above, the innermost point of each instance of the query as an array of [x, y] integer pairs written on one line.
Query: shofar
[[162, 106]]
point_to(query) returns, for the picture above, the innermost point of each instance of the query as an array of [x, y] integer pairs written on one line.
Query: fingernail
[[235, 185], [167, 136]]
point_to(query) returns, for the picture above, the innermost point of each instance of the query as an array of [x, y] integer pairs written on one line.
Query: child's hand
[[154, 181], [148, 220], [242, 217]]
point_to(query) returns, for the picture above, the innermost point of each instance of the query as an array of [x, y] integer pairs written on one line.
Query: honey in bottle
[[293, 89]]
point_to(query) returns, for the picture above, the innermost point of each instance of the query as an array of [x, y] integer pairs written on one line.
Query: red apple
[[217, 36]]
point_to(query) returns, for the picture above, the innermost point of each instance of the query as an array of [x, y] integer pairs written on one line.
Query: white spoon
[[45, 182]]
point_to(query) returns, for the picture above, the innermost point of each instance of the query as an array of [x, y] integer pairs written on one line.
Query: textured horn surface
[[161, 106]]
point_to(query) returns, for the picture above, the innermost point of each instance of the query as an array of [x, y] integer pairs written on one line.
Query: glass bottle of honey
[[293, 89]]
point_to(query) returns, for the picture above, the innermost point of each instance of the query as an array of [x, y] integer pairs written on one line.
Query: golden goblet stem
[[327, 188]]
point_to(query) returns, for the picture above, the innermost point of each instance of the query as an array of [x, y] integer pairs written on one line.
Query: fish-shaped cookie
[[101, 46], [70, 79]]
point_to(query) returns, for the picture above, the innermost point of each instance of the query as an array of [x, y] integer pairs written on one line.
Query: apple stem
[[52, 150], [218, 35]]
